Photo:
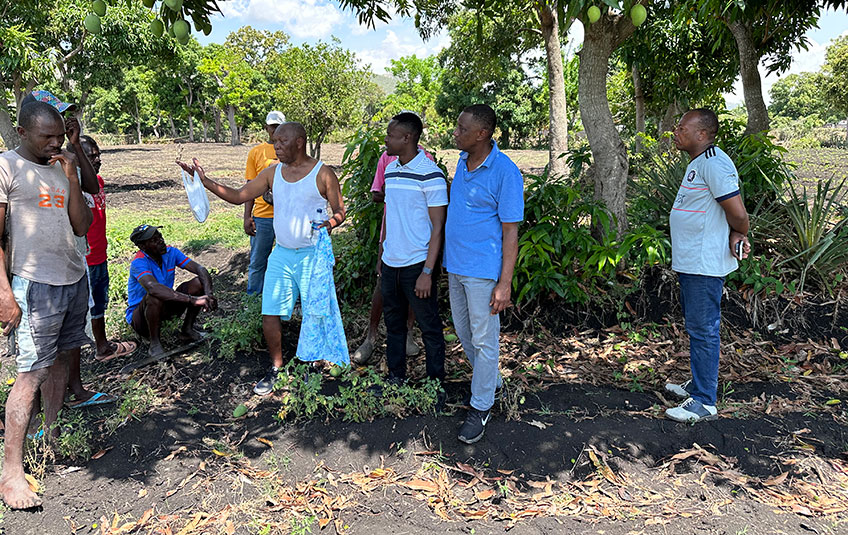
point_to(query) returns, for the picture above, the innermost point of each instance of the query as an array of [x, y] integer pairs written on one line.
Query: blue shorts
[[98, 282], [286, 277]]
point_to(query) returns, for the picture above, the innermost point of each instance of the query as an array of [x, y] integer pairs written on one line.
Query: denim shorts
[[53, 319], [98, 281], [286, 278]]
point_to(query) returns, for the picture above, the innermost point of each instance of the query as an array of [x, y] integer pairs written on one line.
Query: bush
[[358, 248], [558, 252], [241, 331]]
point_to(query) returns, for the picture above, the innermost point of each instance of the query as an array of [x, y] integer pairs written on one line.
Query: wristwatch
[[427, 271]]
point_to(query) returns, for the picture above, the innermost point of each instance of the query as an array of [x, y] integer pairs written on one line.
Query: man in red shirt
[[98, 276]]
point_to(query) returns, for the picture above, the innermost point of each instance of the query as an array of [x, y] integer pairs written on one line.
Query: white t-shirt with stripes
[[410, 190], [699, 229]]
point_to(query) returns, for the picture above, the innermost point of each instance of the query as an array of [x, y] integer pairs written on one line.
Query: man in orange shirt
[[258, 214]]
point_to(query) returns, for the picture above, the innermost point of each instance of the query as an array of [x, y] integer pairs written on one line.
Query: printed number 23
[[58, 201]]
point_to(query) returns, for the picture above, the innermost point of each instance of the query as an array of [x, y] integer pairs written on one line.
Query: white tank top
[[295, 205]]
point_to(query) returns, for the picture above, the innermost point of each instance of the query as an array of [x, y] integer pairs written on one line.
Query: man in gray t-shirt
[[43, 287], [708, 221]]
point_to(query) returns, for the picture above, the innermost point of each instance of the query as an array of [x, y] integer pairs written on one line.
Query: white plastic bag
[[197, 198]]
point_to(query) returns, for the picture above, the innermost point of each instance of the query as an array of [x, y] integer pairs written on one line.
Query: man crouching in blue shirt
[[151, 298], [481, 246], [709, 227]]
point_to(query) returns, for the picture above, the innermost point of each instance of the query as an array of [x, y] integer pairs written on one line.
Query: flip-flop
[[122, 349], [100, 398]]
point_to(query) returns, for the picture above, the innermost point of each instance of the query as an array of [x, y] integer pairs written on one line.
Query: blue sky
[[314, 20]]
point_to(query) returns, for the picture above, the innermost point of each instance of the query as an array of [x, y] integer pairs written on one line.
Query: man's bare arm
[[251, 190], [10, 312], [330, 189], [503, 289]]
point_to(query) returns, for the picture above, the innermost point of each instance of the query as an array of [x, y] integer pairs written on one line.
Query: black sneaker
[[474, 427], [441, 400], [266, 385], [467, 400], [377, 389]]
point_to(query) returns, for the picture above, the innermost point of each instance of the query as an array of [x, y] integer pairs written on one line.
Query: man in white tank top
[[301, 186]]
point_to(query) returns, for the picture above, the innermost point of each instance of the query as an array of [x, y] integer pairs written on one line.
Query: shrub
[[241, 331], [359, 242]]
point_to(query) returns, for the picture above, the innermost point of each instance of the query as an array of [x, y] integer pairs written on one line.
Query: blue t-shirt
[[480, 201], [144, 265], [700, 243], [411, 190]]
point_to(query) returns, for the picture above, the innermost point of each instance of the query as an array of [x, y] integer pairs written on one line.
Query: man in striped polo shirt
[[416, 205], [707, 220]]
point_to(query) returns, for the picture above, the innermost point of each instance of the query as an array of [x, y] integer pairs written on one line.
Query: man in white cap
[[259, 214]]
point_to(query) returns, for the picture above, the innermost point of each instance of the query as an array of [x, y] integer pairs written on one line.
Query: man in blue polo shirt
[[707, 220], [151, 298], [481, 245], [416, 201]]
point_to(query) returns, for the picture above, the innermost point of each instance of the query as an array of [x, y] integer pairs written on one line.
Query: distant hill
[[386, 82]]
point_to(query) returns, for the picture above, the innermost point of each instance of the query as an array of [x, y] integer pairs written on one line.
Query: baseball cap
[[142, 233], [275, 117], [42, 95]]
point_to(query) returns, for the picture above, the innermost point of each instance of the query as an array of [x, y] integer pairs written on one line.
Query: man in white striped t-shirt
[[708, 220], [416, 206]]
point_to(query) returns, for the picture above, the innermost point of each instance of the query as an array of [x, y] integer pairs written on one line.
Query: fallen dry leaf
[[100, 453], [265, 441], [175, 453], [34, 485], [423, 485], [484, 494], [142, 493], [776, 480]]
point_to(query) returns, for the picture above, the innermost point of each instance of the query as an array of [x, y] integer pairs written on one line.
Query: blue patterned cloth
[[322, 335]]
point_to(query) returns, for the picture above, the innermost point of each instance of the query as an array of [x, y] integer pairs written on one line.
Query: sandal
[[122, 349], [99, 398]]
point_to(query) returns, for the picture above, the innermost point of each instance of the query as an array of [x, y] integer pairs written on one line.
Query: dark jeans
[[398, 286]]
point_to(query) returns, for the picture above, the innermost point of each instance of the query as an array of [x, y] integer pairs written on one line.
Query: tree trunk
[[7, 129], [667, 123], [639, 103], [205, 125], [173, 127], [137, 122], [558, 133], [610, 156], [749, 60], [191, 128], [217, 113], [234, 131]]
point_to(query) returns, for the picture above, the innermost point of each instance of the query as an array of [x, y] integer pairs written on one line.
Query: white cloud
[[397, 45], [300, 18]]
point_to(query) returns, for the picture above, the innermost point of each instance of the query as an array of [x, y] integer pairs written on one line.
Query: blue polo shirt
[[480, 201], [144, 265]]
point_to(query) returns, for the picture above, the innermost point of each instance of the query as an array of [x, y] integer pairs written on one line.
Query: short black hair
[[411, 122], [708, 120], [84, 138], [31, 111], [483, 114]]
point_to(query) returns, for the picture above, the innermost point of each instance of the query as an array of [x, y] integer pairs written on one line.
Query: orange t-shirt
[[260, 157]]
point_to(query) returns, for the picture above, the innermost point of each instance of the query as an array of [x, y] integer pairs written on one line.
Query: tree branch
[[75, 51]]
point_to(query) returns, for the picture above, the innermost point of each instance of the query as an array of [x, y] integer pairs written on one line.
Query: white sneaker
[[692, 411], [680, 391]]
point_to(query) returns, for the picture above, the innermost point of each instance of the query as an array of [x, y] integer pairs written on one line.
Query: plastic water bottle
[[317, 220]]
